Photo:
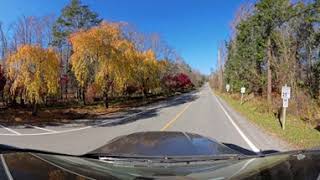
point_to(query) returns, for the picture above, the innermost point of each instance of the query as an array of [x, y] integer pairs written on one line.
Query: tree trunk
[[106, 100], [269, 73], [84, 96], [66, 90], [61, 86], [35, 109], [14, 101], [21, 100], [67, 69], [78, 94]]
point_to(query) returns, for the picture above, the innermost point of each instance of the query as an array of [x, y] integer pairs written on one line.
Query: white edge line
[[252, 146], [53, 164], [8, 129], [6, 169], [44, 129]]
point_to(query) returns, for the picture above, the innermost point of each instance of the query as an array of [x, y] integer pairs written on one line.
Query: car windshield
[[166, 78]]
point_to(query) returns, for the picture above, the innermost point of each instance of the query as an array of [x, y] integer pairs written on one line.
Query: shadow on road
[[143, 113], [124, 117]]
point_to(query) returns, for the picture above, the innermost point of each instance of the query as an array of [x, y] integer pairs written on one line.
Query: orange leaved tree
[[99, 57], [36, 71]]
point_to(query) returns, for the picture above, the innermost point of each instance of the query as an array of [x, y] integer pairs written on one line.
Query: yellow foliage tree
[[147, 71], [101, 55], [36, 71], [98, 57]]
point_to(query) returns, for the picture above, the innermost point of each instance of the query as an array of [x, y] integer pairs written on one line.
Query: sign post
[[228, 87], [285, 95], [242, 90]]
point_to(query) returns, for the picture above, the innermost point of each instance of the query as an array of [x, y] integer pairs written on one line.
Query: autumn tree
[[74, 17], [162, 53], [148, 71], [2, 82], [98, 58], [34, 71]]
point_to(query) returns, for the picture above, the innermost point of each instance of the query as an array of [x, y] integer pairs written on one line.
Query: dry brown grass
[[14, 116]]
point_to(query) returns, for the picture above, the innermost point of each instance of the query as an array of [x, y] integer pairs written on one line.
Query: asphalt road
[[199, 112]]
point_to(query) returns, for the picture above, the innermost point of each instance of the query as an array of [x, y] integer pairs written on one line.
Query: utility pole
[[269, 73], [220, 65]]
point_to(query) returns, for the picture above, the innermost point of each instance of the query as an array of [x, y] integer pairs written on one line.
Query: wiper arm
[[161, 159], [8, 149]]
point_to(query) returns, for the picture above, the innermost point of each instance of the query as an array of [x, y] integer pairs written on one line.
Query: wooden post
[[285, 95], [284, 118], [242, 90]]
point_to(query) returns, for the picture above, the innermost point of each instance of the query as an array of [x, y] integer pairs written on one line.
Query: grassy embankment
[[297, 133]]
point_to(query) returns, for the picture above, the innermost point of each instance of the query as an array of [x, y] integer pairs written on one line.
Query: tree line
[[273, 43], [80, 57]]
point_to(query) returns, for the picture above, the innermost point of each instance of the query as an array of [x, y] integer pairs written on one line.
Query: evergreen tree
[[73, 17]]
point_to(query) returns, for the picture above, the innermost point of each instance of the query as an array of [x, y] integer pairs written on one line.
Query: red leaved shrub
[[178, 82]]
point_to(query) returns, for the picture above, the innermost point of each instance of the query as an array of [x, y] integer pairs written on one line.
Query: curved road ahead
[[199, 112]]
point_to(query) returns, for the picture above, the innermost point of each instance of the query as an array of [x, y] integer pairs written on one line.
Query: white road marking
[[5, 167], [43, 129], [48, 133], [251, 145], [8, 129]]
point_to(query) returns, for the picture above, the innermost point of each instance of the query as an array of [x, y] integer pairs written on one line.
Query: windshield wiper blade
[[165, 159]]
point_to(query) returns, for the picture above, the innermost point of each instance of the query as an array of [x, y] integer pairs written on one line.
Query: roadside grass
[[297, 133]]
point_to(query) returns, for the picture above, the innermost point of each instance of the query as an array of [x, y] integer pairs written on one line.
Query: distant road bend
[[198, 112]]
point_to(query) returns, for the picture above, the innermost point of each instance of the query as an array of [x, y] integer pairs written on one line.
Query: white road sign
[[285, 103], [243, 90], [285, 92], [228, 87]]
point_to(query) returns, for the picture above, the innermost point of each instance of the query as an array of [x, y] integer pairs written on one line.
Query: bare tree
[[32, 30], [243, 12], [4, 43]]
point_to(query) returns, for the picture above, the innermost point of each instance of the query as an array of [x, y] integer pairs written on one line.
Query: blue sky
[[193, 27]]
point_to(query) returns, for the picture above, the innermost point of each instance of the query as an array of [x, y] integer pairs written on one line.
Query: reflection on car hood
[[164, 144]]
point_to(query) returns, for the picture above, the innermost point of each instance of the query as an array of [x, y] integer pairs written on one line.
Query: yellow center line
[[175, 118]]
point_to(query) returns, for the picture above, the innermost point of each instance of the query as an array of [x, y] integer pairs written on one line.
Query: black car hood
[[164, 144], [292, 165], [37, 165]]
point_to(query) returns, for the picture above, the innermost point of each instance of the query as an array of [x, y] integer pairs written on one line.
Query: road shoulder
[[260, 137]]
